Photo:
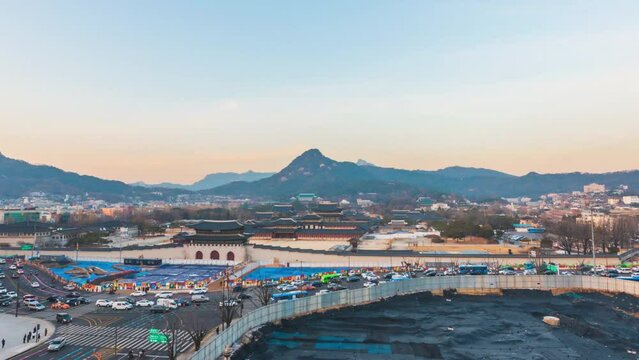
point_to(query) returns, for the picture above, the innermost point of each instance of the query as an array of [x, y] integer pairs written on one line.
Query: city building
[[594, 188]]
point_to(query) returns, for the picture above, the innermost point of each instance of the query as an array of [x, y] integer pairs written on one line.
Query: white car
[[298, 282], [144, 303], [57, 344], [104, 303], [286, 287], [229, 302], [322, 292], [199, 298], [121, 305], [13, 267], [35, 284], [164, 295], [197, 291], [2, 276], [20, 271], [12, 294], [69, 287], [369, 284], [138, 293]]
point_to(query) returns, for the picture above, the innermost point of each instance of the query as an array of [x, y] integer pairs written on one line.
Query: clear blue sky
[[172, 90]]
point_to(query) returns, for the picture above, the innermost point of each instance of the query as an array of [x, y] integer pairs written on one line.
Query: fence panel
[[289, 309]]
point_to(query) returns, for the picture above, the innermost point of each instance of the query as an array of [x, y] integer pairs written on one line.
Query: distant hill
[[18, 178], [314, 172], [211, 180], [311, 172]]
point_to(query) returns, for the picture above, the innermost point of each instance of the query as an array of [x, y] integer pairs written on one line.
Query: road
[[103, 330]]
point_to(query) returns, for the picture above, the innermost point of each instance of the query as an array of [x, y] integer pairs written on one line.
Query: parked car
[[73, 295], [104, 303], [14, 275], [121, 305], [353, 278], [5, 303], [35, 306], [317, 284], [199, 298], [197, 291], [243, 296], [63, 318], [181, 302], [369, 284], [12, 294], [73, 302], [69, 287], [20, 271], [13, 267], [164, 295], [138, 293], [322, 292], [57, 344], [60, 306], [144, 303], [55, 299], [335, 287], [2, 276], [159, 309], [35, 284], [507, 272]]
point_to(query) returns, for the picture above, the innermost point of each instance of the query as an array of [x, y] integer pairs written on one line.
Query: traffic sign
[[156, 337], [26, 247]]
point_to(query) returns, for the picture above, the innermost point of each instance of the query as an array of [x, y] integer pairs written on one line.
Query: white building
[[594, 188], [630, 200]]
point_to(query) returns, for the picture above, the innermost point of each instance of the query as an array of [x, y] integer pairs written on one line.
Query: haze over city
[[159, 91]]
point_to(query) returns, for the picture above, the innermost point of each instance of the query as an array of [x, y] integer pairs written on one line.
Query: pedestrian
[[35, 328], [24, 338], [38, 338], [217, 331], [45, 331], [3, 343]]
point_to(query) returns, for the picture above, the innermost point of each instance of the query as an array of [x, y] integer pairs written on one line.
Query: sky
[[173, 90]]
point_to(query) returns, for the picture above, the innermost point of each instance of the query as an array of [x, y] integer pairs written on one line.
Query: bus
[[291, 295], [473, 269], [329, 277]]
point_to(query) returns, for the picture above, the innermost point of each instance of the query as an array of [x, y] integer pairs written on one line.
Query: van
[[169, 303], [121, 305]]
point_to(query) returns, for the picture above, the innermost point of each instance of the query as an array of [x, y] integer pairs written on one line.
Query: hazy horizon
[[172, 91]]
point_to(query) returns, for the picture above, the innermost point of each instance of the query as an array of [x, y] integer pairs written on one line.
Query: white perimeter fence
[[311, 304]]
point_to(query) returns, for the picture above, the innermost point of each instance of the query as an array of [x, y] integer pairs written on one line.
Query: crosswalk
[[127, 338]]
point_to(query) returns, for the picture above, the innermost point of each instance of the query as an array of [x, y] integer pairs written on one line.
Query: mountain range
[[314, 172], [310, 172], [211, 181], [19, 178]]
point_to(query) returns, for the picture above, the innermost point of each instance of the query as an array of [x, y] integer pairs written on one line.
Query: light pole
[[592, 237]]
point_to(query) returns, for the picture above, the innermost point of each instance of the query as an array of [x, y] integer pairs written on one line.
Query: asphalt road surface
[[103, 330]]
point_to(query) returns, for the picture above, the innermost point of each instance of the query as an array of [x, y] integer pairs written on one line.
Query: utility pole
[[18, 293], [592, 237]]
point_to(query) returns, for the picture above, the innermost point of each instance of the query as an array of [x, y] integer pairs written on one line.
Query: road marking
[[127, 338]]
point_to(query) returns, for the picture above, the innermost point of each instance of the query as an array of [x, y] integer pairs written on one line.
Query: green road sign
[[156, 337], [26, 247]]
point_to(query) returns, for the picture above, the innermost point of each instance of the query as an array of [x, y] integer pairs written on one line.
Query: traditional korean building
[[217, 240], [328, 211]]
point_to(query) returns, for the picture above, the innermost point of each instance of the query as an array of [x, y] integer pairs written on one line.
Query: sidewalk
[[14, 328]]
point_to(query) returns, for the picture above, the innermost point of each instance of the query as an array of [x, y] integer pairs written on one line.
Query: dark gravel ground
[[593, 326]]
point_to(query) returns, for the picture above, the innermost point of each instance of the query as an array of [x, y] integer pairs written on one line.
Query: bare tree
[[171, 332], [195, 328], [228, 311], [263, 294]]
